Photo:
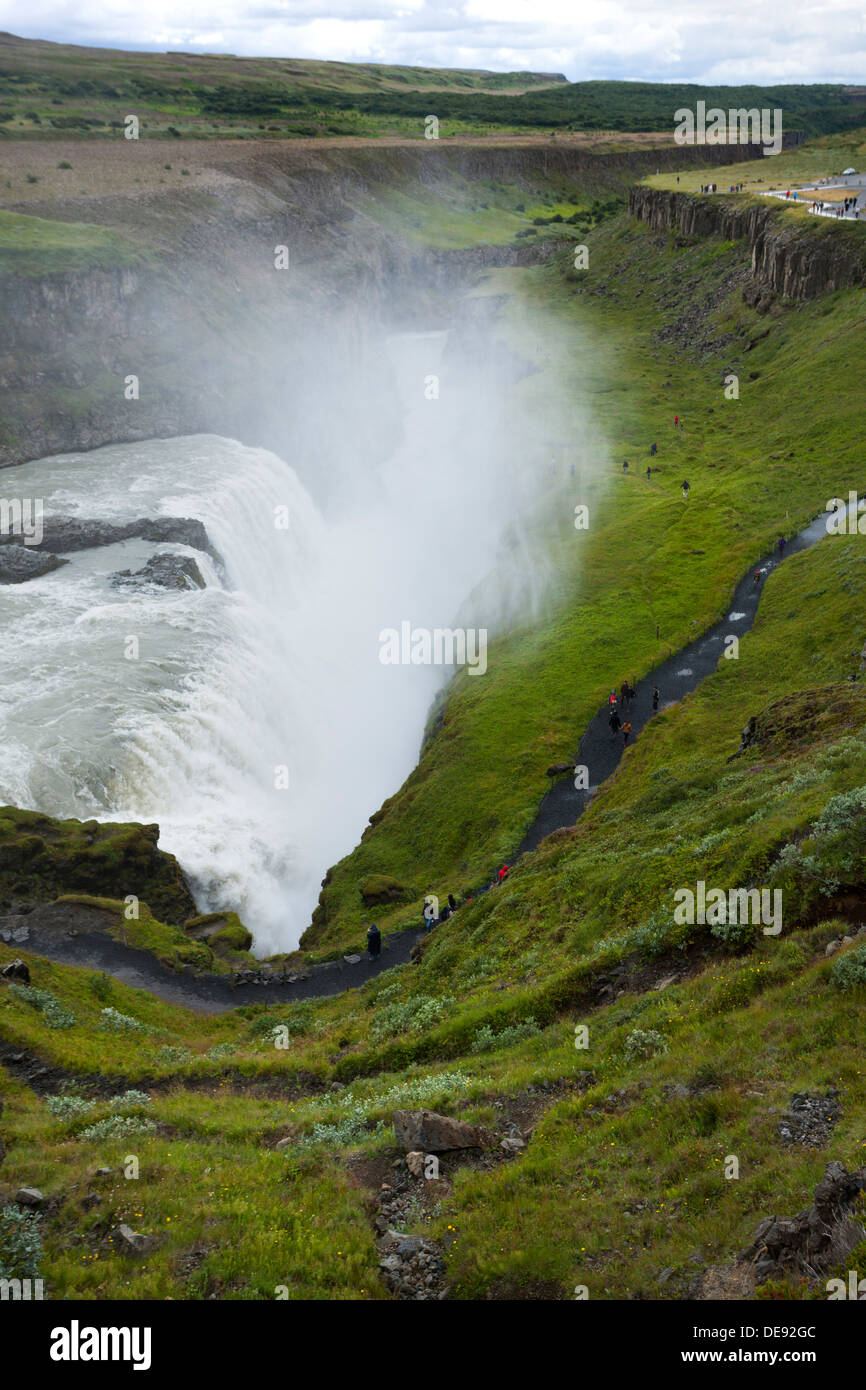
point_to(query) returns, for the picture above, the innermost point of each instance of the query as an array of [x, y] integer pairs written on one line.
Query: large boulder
[[428, 1132], [163, 571], [18, 563]]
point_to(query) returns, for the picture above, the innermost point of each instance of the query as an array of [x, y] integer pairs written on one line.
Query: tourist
[[655, 697], [685, 490], [431, 911], [374, 941], [503, 873], [614, 722], [626, 730]]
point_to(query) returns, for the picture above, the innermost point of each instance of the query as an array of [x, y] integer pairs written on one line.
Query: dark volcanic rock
[[19, 563], [166, 571], [66, 534], [794, 260], [16, 970], [816, 1240]]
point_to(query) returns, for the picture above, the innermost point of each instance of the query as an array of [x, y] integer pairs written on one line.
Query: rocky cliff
[[794, 259]]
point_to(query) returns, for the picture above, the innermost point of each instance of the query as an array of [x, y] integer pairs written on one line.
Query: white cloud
[[677, 40]]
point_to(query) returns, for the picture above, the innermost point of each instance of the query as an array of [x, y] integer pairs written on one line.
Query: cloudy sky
[[668, 40]]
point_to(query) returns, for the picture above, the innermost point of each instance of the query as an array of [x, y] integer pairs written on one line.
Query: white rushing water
[[275, 663]]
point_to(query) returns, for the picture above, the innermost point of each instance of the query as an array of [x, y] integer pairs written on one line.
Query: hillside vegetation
[[46, 88], [698, 1037]]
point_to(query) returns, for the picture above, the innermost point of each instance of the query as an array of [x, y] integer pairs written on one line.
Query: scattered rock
[[29, 1197], [415, 1163], [351, 960], [832, 947], [512, 1145], [811, 1118], [130, 1242], [432, 1133], [16, 970]]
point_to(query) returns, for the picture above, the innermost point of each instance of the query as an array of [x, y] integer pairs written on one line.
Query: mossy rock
[[379, 889], [223, 931], [43, 858]]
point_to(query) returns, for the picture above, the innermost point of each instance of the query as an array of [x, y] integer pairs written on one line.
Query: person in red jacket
[[503, 872]]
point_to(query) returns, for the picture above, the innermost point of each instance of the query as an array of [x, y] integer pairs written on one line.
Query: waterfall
[[276, 663]]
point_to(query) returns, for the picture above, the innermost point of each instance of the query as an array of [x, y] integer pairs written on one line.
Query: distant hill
[[48, 87]]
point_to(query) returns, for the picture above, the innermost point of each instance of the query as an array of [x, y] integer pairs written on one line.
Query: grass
[[35, 246], [817, 159]]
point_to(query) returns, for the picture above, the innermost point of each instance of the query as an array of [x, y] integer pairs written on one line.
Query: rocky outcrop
[[796, 261], [18, 563], [809, 1245], [41, 858], [164, 572], [67, 534]]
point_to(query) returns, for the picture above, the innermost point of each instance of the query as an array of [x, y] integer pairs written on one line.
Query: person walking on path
[[685, 490], [626, 730], [676, 421], [655, 697], [781, 547], [654, 448], [757, 578], [374, 941], [431, 911], [614, 722], [503, 873], [649, 472], [452, 902], [611, 699], [625, 465], [624, 694]]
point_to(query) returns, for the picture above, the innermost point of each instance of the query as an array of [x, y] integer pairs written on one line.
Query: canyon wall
[[221, 342], [792, 258]]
